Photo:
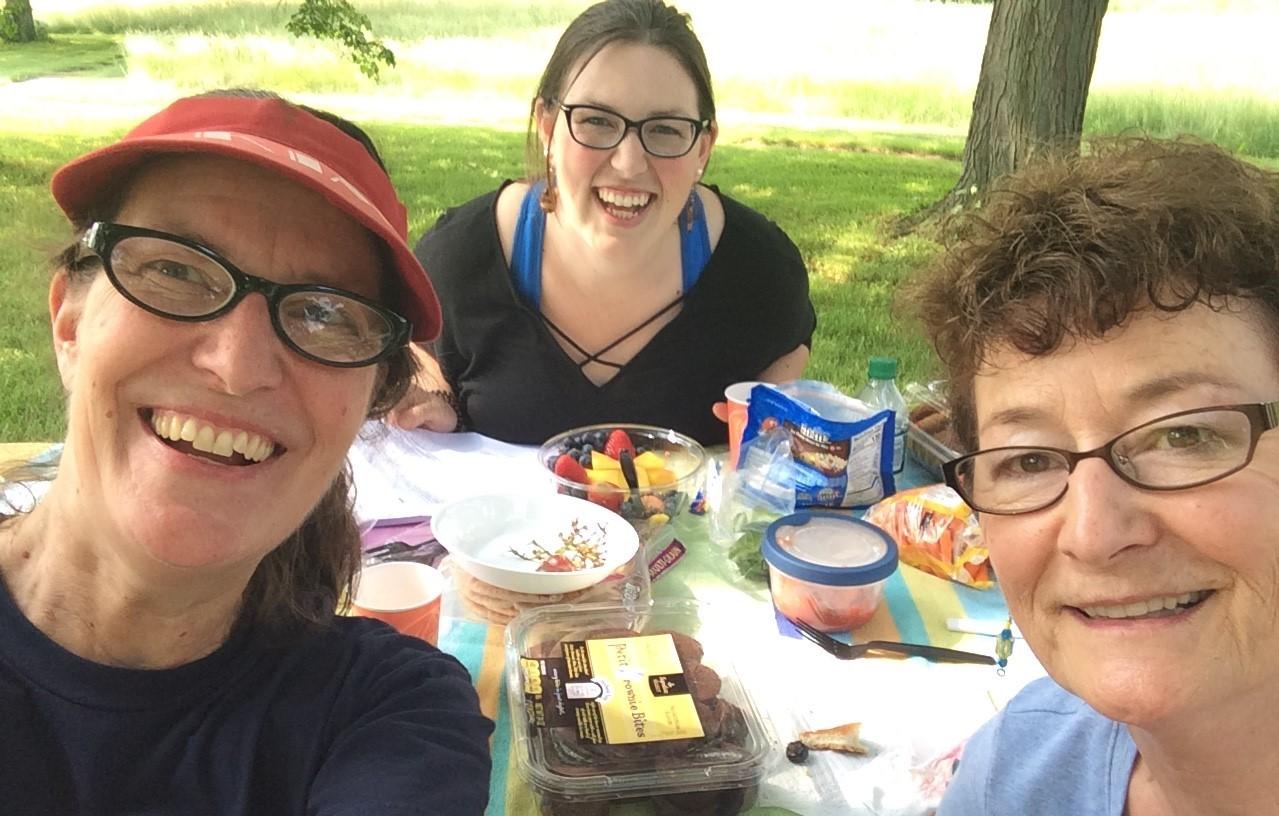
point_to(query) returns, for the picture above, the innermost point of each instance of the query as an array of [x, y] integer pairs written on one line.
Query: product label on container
[[612, 691], [835, 462]]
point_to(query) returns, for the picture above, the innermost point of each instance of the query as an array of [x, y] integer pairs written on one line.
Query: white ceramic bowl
[[480, 533]]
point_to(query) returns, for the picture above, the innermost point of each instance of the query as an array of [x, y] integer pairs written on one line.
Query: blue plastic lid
[[830, 549]]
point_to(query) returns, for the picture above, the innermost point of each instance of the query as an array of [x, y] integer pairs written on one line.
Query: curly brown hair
[[1072, 246]]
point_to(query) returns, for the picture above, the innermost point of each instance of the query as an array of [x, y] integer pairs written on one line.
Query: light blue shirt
[[1048, 753]]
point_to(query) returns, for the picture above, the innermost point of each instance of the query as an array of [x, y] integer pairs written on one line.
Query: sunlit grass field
[[838, 116], [831, 202]]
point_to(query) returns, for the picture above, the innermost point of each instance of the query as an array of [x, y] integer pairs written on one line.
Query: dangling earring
[[688, 211], [550, 197]]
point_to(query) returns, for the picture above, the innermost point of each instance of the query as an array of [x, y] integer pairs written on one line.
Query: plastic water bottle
[[880, 393]]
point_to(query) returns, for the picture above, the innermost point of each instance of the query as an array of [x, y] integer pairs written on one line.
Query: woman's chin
[[1140, 697]]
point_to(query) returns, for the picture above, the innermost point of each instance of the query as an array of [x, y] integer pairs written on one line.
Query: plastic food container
[[828, 569], [611, 705], [668, 468]]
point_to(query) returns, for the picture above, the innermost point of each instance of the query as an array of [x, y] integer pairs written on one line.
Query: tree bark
[[1031, 92], [1033, 85], [19, 14]]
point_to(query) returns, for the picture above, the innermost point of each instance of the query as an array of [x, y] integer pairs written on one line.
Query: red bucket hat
[[280, 137]]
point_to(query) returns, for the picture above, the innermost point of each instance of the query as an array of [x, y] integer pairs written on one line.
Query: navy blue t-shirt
[[354, 719]]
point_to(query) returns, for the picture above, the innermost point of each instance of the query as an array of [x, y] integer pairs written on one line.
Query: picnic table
[[911, 710]]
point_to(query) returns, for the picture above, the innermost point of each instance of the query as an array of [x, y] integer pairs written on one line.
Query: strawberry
[[605, 496], [566, 467], [618, 441], [556, 563]]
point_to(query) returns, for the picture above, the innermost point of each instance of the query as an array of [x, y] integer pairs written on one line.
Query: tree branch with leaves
[[338, 20]]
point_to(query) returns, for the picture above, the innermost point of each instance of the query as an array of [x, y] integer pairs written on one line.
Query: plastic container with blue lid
[[828, 569]]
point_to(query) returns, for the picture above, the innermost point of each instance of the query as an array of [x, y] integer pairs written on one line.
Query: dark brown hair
[[303, 581], [1071, 247], [645, 22]]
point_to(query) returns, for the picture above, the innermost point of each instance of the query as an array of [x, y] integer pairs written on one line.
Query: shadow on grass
[[84, 55]]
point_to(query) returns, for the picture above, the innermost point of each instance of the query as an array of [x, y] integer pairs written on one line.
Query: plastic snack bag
[[760, 490], [937, 533], [840, 449]]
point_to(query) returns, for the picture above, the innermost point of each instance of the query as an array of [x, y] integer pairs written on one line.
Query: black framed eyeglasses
[[1173, 452], [666, 137], [173, 277]]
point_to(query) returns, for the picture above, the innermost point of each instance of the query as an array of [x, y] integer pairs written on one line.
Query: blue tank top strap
[[694, 244], [526, 251]]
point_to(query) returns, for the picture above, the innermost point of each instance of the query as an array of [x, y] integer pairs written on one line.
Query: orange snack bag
[[937, 533]]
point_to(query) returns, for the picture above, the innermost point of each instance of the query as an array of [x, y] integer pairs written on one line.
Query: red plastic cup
[[405, 594]]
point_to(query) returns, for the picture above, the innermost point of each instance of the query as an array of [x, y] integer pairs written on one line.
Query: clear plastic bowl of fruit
[[648, 475]]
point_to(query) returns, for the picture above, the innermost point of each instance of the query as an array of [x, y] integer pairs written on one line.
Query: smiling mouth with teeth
[[623, 205], [196, 437], [1163, 607]]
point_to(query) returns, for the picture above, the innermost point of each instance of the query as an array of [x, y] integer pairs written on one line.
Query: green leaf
[[338, 20]]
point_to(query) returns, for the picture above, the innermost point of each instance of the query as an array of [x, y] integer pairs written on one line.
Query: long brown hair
[[646, 22], [1074, 246]]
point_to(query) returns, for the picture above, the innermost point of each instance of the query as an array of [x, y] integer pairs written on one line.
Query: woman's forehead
[[1153, 357], [638, 79], [253, 217]]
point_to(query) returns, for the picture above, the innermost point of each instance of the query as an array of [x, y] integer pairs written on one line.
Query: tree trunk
[[1033, 85], [19, 16], [1030, 95]]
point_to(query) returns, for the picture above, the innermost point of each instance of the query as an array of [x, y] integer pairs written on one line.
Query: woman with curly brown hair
[[239, 297], [1111, 328]]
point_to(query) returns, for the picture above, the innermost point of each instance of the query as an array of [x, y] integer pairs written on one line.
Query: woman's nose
[[1102, 515], [240, 349], [629, 157]]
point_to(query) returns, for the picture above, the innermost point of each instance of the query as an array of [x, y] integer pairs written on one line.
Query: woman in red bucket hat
[[238, 299]]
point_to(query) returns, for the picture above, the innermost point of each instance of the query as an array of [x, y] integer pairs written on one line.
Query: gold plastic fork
[[884, 648]]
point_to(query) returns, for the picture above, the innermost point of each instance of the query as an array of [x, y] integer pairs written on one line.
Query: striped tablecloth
[[915, 609]]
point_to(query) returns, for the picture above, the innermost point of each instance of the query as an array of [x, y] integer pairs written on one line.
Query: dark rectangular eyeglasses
[[1173, 452], [173, 277], [667, 137]]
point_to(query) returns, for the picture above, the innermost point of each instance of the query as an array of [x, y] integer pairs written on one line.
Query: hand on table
[[429, 403]]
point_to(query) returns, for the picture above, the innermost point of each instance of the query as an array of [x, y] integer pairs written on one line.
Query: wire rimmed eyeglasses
[[176, 278], [1173, 452], [666, 137]]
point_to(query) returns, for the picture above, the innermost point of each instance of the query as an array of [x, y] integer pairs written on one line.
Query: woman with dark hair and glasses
[[1111, 329], [239, 298], [614, 284]]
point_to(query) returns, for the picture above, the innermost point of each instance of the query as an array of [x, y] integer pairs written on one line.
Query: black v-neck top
[[516, 383]]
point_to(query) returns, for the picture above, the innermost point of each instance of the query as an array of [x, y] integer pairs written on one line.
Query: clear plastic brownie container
[[612, 705]]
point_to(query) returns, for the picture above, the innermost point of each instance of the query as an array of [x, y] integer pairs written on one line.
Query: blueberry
[[599, 438], [587, 448], [583, 459], [640, 449], [796, 751]]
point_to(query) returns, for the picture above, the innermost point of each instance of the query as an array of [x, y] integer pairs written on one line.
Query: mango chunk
[[609, 477], [658, 477], [649, 460], [602, 461]]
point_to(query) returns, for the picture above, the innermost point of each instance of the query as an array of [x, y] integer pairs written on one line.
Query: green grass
[[31, 227], [94, 55], [832, 201], [391, 19]]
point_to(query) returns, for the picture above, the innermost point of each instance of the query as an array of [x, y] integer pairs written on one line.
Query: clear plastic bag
[[937, 533]]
